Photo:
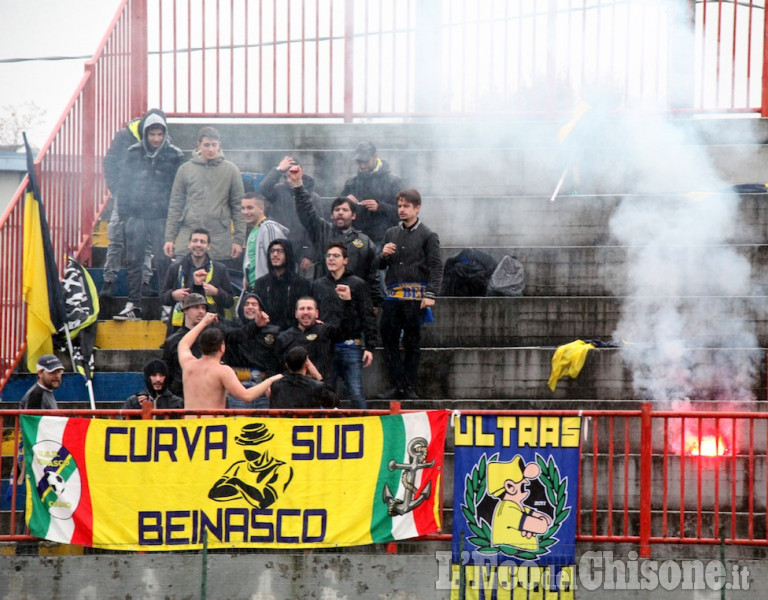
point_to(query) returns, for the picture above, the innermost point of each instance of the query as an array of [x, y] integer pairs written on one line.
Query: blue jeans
[[114, 260], [233, 402], [348, 364], [262, 402]]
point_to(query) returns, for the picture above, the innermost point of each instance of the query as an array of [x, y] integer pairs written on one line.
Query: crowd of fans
[[317, 294]]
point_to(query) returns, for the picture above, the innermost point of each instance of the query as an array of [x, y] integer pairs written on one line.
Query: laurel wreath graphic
[[557, 494]]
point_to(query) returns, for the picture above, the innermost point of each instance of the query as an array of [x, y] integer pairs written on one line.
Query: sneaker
[[129, 313], [391, 394], [148, 291], [107, 290]]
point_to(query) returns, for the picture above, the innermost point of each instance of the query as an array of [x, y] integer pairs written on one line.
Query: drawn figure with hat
[[514, 523], [259, 479]]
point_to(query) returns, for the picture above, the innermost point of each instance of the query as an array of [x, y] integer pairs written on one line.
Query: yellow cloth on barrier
[[568, 360]]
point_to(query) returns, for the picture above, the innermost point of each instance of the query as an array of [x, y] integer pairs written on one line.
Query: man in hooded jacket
[[113, 161], [156, 389], [251, 348], [282, 286], [278, 193], [146, 179]]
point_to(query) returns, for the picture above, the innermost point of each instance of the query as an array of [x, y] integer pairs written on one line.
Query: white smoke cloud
[[688, 313]]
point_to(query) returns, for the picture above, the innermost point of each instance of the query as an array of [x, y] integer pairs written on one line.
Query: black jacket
[[318, 340], [417, 258], [281, 208], [115, 156], [300, 391], [278, 293], [146, 175], [253, 347], [362, 323], [383, 186], [171, 359], [179, 276], [361, 252]]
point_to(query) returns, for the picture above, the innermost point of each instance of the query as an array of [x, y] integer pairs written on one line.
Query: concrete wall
[[347, 576]]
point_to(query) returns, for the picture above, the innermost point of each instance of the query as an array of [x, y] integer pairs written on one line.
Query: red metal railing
[[363, 59], [646, 477], [69, 168]]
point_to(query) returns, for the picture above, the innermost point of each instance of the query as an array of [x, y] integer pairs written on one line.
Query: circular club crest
[[269, 339], [59, 486], [475, 492], [357, 243], [311, 337]]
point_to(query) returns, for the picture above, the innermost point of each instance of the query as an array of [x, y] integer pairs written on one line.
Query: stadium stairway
[[488, 186]]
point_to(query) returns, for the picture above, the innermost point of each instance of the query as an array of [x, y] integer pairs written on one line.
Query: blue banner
[[515, 489]]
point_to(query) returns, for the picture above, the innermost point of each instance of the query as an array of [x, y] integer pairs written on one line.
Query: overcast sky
[[43, 28]]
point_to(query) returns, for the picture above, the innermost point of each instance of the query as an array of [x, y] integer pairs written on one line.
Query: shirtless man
[[206, 380]]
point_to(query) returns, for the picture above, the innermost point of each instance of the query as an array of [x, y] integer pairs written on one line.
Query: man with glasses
[[359, 336]]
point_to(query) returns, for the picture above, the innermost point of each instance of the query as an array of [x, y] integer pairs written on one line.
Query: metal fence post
[[139, 51], [646, 457], [349, 55], [87, 190]]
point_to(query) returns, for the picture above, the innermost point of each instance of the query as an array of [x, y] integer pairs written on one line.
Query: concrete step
[[599, 270], [108, 386], [572, 220], [498, 374], [498, 321], [516, 157], [126, 335], [555, 320]]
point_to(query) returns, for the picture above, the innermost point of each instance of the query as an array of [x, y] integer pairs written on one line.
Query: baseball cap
[[49, 363], [193, 300], [364, 151]]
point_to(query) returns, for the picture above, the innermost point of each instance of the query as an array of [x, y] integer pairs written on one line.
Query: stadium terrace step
[[121, 283], [107, 387], [596, 270], [130, 335], [496, 374], [516, 157], [557, 320], [151, 309], [491, 322]]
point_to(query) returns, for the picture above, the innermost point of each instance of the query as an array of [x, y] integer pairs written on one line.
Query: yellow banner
[[285, 483]]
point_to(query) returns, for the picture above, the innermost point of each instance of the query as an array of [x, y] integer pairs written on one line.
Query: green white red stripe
[[399, 431], [58, 495]]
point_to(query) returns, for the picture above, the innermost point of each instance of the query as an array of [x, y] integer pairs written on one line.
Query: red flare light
[[711, 445]]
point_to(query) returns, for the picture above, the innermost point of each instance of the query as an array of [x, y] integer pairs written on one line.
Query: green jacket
[[207, 194]]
